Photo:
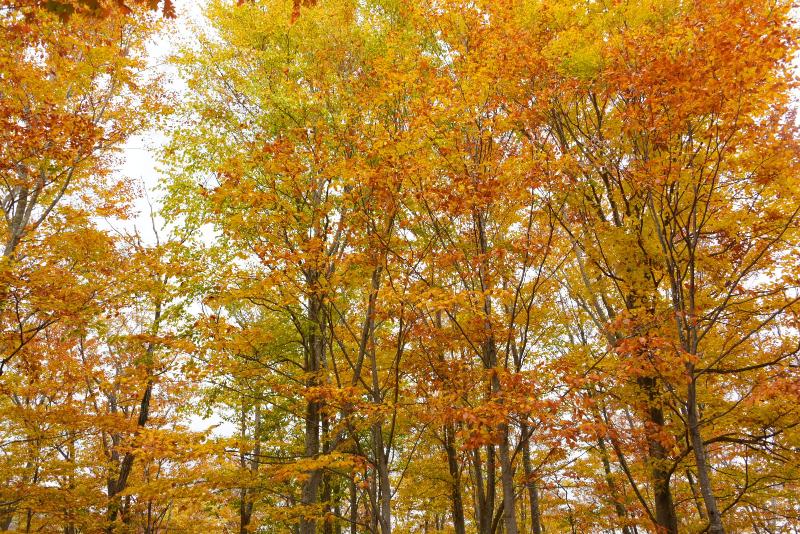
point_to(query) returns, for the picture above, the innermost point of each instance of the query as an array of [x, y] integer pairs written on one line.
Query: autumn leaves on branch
[[493, 267]]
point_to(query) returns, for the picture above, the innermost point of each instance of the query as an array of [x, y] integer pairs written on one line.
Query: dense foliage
[[429, 266]]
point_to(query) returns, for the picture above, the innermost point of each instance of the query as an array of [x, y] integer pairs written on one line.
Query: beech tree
[[490, 267]]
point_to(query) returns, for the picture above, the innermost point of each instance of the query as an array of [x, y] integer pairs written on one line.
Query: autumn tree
[[671, 148], [494, 267], [74, 90]]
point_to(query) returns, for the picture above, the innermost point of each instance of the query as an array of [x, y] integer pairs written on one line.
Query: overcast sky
[[140, 153]]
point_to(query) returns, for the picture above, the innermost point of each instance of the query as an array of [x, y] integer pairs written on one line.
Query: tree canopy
[[426, 266]]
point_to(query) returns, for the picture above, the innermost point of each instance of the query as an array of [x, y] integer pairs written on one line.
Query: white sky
[[140, 153]]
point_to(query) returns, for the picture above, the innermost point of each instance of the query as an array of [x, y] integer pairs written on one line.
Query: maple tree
[[492, 267]]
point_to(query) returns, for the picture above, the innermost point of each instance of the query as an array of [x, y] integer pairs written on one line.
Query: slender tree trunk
[[310, 491], [686, 317], [695, 495], [530, 483], [664, 505], [327, 527], [479, 499], [455, 477], [507, 480], [612, 487], [703, 474], [353, 507], [384, 490], [506, 467], [70, 512], [484, 489], [121, 482], [327, 493], [456, 499], [244, 519], [604, 458], [247, 501], [337, 512], [490, 362], [18, 220], [491, 486], [115, 487], [373, 501]]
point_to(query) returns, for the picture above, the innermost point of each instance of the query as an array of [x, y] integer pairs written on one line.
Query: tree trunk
[[247, 501], [703, 475], [664, 505], [455, 477], [327, 527], [353, 507], [69, 512], [18, 219], [310, 491], [5, 520], [507, 480], [115, 487], [695, 495], [612, 488], [384, 491], [506, 467], [118, 486], [666, 519], [490, 362], [484, 491], [383, 487], [530, 483]]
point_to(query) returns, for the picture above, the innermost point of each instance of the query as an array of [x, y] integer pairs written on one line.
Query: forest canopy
[[407, 266]]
